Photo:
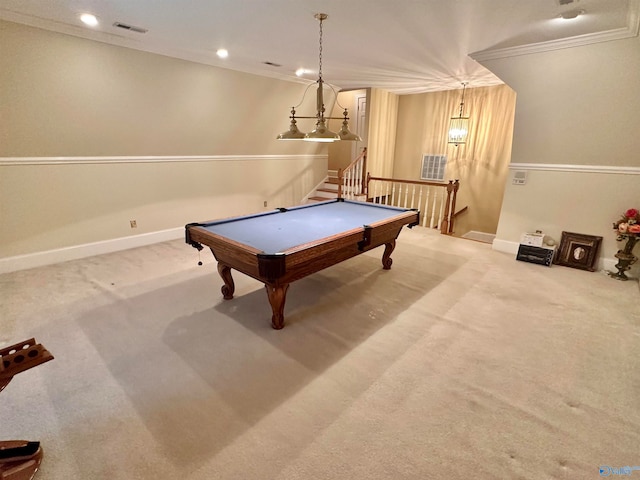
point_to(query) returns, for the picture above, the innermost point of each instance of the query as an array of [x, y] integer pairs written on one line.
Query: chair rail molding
[[18, 161]]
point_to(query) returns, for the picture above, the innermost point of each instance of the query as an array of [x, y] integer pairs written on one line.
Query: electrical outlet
[[133, 223], [265, 203]]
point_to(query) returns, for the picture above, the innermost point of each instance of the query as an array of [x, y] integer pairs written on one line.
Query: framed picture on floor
[[578, 251]]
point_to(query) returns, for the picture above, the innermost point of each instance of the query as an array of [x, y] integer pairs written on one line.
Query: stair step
[[318, 199], [332, 180]]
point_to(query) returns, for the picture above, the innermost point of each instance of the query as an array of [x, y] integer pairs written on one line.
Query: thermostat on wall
[[519, 178]]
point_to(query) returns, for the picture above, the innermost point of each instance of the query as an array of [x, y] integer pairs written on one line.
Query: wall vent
[[130, 27], [433, 167]]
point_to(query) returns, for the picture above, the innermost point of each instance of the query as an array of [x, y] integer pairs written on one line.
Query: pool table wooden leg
[[229, 287], [386, 257], [277, 295]]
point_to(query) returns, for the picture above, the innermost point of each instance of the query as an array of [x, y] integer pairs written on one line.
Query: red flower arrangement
[[628, 224]]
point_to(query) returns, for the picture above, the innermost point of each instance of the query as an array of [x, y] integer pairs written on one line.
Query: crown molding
[[629, 31]]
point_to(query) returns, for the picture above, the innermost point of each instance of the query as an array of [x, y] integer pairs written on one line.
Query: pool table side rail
[[400, 220], [230, 252], [302, 260], [279, 210]]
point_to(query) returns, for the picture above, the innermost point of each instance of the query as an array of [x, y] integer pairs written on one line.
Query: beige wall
[[481, 164], [103, 107], [65, 96], [51, 206], [577, 107]]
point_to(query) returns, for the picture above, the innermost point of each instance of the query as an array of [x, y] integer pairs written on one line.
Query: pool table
[[287, 244]]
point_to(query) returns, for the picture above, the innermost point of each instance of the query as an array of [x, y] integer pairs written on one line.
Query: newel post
[[339, 183], [456, 185], [444, 228], [365, 182]]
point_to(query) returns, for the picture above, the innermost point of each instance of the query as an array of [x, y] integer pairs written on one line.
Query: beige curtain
[[383, 117], [481, 165]]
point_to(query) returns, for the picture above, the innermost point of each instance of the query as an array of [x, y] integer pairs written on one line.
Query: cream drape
[[383, 117], [481, 165]]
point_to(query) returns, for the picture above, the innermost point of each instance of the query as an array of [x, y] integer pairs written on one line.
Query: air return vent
[[130, 27]]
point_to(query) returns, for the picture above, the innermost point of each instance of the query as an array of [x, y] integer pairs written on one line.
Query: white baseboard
[[505, 246], [480, 236], [49, 257]]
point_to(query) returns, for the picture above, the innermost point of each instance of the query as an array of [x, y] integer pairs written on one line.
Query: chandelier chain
[[464, 86], [320, 52]]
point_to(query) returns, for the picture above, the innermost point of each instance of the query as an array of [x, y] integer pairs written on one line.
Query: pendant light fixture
[[321, 133], [459, 126]]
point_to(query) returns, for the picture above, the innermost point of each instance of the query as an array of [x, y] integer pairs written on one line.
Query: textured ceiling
[[404, 46]]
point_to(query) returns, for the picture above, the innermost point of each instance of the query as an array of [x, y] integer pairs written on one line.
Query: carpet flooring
[[460, 362]]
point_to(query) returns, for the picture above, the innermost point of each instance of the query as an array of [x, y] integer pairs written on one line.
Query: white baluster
[[442, 202], [423, 210], [426, 207], [433, 208]]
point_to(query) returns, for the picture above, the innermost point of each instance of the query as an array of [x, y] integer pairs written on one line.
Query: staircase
[[328, 190], [352, 179]]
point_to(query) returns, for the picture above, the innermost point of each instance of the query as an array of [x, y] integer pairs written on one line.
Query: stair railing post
[[365, 184], [339, 183], [444, 228], [366, 190], [456, 185]]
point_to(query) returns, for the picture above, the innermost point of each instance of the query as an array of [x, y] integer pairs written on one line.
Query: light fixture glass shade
[[293, 133], [321, 134], [345, 133], [458, 130]]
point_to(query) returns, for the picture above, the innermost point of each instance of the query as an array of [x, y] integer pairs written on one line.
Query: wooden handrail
[[460, 212], [352, 168], [447, 206], [413, 182]]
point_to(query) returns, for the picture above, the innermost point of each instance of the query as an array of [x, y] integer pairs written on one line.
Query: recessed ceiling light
[[89, 19], [300, 72], [571, 14], [222, 53]]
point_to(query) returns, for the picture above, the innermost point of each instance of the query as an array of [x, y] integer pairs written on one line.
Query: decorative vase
[[625, 257]]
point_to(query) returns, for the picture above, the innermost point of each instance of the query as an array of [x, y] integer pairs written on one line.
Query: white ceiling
[[404, 46]]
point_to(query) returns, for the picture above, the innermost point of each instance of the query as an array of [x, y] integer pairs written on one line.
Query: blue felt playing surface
[[275, 232]]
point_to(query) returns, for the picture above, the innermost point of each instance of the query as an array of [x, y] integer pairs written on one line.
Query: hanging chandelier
[[459, 126], [321, 133]]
